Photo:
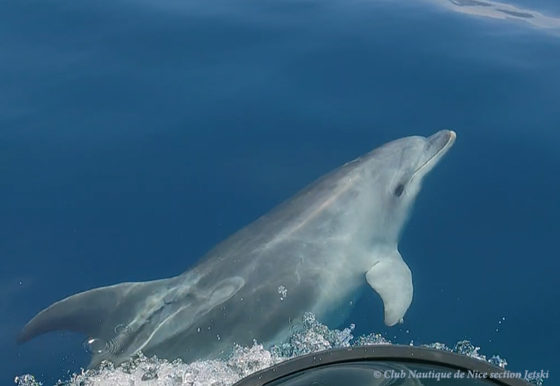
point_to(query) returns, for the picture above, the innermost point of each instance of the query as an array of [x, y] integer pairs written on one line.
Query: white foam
[[307, 337]]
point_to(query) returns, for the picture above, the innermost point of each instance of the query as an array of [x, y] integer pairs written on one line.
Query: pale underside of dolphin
[[313, 253]]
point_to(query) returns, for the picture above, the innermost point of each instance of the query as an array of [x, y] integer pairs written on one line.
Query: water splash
[[306, 337]]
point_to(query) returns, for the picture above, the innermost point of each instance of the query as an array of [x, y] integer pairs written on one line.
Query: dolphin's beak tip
[[452, 137]]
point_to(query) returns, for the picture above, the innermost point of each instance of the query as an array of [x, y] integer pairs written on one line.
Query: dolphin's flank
[[312, 253]]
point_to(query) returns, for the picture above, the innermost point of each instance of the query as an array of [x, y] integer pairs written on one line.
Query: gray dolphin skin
[[313, 253]]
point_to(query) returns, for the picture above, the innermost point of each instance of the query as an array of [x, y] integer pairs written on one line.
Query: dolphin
[[313, 253]]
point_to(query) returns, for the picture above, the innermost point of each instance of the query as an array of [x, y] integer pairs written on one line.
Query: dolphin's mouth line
[[437, 155]]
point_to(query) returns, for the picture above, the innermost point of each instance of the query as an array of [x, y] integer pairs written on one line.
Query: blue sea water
[[135, 135]]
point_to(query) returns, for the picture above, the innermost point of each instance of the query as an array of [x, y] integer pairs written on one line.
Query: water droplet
[[218, 337], [198, 329]]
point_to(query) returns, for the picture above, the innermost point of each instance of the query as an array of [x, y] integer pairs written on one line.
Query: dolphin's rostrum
[[312, 253]]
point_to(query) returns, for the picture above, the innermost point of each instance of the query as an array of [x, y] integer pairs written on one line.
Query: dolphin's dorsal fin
[[390, 277]]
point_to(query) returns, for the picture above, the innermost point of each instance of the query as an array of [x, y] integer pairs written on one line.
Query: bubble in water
[[465, 347], [150, 374], [438, 346], [283, 292], [96, 346], [496, 360], [26, 380]]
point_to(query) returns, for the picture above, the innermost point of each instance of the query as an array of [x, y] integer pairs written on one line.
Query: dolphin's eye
[[399, 190]]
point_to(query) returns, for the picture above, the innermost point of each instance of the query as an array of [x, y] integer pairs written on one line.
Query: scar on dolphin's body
[[317, 249]]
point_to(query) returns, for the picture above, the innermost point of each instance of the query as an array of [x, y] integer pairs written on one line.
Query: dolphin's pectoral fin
[[390, 277]]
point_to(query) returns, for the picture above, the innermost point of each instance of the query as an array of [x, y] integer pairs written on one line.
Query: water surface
[[135, 135]]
